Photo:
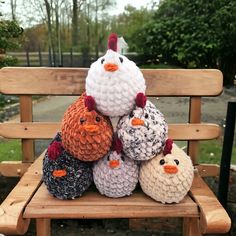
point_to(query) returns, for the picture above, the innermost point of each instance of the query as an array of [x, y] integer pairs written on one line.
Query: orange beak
[[136, 121], [91, 128], [169, 169], [59, 173], [114, 163], [111, 67]]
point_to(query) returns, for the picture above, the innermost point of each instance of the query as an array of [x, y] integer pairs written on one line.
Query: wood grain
[[213, 217], [71, 81], [13, 168], [11, 209], [26, 115], [191, 227], [194, 117], [43, 227], [47, 130], [93, 205]]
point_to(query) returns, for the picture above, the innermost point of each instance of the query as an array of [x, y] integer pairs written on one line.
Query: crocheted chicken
[[143, 132], [167, 177], [116, 175], [114, 81], [86, 134], [65, 176]]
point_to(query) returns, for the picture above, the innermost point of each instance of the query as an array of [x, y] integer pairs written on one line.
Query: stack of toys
[[89, 149]]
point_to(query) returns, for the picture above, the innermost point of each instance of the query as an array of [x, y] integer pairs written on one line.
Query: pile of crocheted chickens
[[137, 149]]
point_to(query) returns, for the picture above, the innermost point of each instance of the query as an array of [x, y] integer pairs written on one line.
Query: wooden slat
[[194, 117], [13, 168], [11, 210], [71, 81], [26, 115], [47, 130], [93, 205], [213, 217], [205, 170]]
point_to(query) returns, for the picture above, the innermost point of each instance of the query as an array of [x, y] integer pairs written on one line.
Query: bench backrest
[[25, 82]]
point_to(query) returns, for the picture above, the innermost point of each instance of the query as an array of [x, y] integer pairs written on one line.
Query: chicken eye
[[176, 161], [131, 115], [162, 162], [98, 118], [146, 116], [121, 59], [82, 120], [102, 60]]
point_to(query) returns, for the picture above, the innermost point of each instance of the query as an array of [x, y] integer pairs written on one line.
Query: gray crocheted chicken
[[116, 175], [65, 176], [143, 132], [167, 177]]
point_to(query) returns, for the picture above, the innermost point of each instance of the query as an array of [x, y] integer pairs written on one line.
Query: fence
[[65, 59]]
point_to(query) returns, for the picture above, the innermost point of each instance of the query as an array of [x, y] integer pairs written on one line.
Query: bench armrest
[[11, 210], [213, 217]]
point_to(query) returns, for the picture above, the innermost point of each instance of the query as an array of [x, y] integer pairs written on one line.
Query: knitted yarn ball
[[143, 132], [86, 134], [114, 81], [65, 176], [115, 175], [168, 178]]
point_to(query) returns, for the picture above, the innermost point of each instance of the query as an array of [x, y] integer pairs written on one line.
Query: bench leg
[[191, 227], [43, 227]]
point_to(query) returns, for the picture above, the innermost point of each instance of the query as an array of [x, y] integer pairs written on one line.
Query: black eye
[[102, 60], [162, 162], [98, 118], [176, 161], [146, 116], [131, 115], [121, 59], [82, 120]]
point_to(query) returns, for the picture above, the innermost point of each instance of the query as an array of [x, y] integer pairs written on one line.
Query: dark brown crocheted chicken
[[86, 134]]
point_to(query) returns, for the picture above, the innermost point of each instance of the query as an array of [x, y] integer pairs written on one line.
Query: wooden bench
[[200, 209]]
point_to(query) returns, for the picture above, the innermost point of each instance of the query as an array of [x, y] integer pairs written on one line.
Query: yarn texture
[[115, 175], [143, 132], [65, 176], [114, 81], [168, 178], [86, 134]]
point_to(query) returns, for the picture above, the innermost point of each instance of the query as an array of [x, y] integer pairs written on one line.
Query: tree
[[193, 34], [129, 22], [9, 31]]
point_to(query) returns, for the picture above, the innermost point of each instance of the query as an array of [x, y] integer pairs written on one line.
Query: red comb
[[117, 145], [168, 146], [112, 42], [54, 150], [89, 102], [141, 100]]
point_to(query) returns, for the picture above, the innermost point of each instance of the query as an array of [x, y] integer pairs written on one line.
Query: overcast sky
[[21, 5]]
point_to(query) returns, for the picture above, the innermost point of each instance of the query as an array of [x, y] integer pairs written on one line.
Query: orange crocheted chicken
[[86, 134]]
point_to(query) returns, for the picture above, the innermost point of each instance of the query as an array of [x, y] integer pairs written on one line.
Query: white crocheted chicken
[[144, 131], [114, 81], [168, 177], [116, 175]]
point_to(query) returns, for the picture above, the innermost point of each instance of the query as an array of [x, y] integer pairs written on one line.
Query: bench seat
[[92, 205]]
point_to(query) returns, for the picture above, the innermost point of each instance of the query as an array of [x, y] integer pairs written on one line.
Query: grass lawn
[[10, 150], [211, 152]]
